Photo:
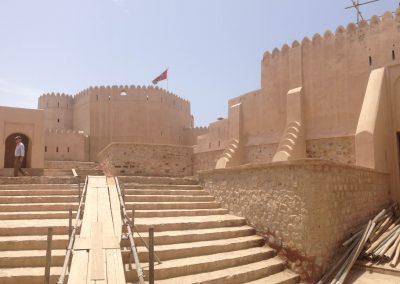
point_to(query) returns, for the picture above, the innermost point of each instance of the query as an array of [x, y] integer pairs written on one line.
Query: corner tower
[[58, 110]]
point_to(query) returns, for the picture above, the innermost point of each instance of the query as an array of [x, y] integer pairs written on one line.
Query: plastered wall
[[66, 145], [28, 122]]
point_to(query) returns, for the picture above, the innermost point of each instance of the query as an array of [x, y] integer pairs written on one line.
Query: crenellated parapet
[[365, 29], [66, 132], [55, 100]]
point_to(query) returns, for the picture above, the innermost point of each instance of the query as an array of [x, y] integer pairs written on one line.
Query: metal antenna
[[356, 5]]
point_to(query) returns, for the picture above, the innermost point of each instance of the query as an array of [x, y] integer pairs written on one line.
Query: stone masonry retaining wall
[[146, 160], [206, 160], [339, 149], [304, 208]]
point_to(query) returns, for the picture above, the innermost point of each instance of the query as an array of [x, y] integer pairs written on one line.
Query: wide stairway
[[196, 240]]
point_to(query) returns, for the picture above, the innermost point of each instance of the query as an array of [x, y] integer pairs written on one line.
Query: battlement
[[353, 31], [66, 131]]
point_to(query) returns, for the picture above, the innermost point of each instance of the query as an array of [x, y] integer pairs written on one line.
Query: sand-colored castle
[[320, 138]]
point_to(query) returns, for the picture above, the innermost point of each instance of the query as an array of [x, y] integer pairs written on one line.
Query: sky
[[212, 48]]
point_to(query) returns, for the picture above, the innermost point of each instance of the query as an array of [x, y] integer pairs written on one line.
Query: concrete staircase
[[26, 211], [197, 241]]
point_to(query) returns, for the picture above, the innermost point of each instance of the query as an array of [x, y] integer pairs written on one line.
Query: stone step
[[22, 207], [29, 215], [39, 199], [69, 165], [170, 205], [30, 258], [176, 213], [31, 275], [232, 275], [163, 191], [184, 223], [38, 180], [205, 263], [37, 186], [39, 242], [33, 227], [182, 250], [284, 277], [157, 180], [161, 186], [166, 198], [39, 192], [35, 242], [57, 172]]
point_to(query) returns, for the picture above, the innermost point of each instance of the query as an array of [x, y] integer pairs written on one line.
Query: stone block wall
[[206, 160], [339, 149], [304, 208], [257, 154], [146, 160]]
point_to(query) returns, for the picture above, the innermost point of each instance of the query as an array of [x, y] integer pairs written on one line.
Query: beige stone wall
[[338, 149], [190, 135], [216, 138], [58, 110], [28, 122], [206, 160], [146, 160], [66, 145], [305, 208], [263, 153]]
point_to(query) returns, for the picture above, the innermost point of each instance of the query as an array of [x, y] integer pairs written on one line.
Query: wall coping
[[142, 144], [300, 162]]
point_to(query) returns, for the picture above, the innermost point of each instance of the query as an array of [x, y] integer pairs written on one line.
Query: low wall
[[206, 160], [146, 160], [304, 208], [338, 149]]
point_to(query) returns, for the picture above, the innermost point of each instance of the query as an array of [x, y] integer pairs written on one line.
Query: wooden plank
[[96, 253], [115, 206], [80, 262]]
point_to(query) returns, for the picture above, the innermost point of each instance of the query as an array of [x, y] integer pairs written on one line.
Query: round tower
[[58, 110]]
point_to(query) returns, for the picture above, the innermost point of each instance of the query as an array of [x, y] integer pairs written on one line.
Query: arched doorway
[[10, 150]]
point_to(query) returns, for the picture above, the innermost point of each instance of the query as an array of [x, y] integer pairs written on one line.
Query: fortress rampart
[[333, 70], [120, 114]]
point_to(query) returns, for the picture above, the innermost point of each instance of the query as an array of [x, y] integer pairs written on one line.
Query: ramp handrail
[[126, 221], [72, 236]]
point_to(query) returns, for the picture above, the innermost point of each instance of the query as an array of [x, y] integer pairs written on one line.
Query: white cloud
[[14, 95]]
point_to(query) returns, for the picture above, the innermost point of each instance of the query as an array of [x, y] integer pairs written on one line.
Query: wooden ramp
[[97, 255]]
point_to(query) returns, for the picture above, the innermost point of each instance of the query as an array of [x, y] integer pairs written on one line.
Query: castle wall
[[140, 115], [333, 71], [58, 110], [66, 145], [190, 135], [29, 123], [306, 208], [146, 160]]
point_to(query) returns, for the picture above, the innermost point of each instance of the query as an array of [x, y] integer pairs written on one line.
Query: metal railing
[[130, 224], [72, 233]]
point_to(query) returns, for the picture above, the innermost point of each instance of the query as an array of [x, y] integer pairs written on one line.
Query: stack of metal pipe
[[379, 240]]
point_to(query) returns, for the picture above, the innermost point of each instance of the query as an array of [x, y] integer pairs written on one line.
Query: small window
[[219, 143], [393, 55], [370, 61], [109, 98], [57, 149], [162, 133], [97, 97], [45, 148], [68, 149], [58, 120]]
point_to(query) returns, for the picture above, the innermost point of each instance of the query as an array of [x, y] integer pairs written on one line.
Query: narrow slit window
[[393, 55], [45, 148], [58, 120], [57, 149], [68, 149], [370, 61]]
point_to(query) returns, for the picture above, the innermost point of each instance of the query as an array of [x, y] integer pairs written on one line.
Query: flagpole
[[168, 79]]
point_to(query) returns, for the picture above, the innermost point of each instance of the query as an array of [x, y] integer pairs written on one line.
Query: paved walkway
[[97, 254]]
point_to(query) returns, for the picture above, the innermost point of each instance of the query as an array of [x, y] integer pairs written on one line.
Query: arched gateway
[[10, 149]]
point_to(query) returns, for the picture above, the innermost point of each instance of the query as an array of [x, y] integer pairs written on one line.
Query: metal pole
[[70, 225], [79, 190], [48, 256], [151, 255], [133, 216]]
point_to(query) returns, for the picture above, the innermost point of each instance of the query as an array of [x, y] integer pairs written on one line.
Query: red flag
[[163, 76]]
